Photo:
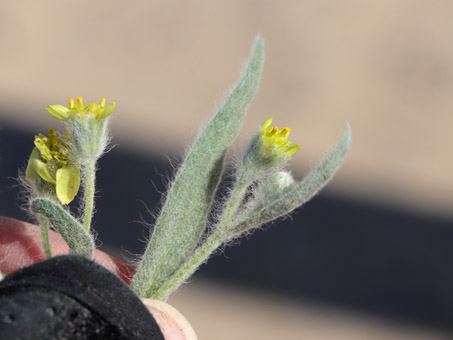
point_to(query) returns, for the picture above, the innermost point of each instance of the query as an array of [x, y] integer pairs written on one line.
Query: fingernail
[[173, 324]]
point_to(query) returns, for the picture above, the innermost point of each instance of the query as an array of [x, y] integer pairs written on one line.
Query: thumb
[[172, 323]]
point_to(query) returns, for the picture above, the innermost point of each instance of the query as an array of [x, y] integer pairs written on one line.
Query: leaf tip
[[347, 135]]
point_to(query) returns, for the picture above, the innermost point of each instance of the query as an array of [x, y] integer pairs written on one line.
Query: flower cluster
[[57, 161], [268, 151], [63, 113], [50, 162], [275, 142]]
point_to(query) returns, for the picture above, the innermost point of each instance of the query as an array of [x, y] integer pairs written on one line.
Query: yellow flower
[[275, 142], [49, 160], [63, 113]]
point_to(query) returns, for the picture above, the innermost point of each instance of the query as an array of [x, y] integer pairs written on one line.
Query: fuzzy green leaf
[[183, 216], [300, 193], [76, 237]]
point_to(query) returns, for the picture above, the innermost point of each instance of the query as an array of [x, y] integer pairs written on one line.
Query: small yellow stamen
[[285, 132], [71, 103], [79, 101], [102, 104], [274, 130]]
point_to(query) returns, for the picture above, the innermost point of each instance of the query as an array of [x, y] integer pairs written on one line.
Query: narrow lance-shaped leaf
[[302, 192], [76, 237], [183, 216]]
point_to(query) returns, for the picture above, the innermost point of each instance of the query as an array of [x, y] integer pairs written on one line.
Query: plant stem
[[202, 253], [188, 268], [89, 190], [235, 200], [44, 224]]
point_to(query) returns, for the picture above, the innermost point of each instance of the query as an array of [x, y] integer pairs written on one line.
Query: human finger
[[172, 323], [21, 246]]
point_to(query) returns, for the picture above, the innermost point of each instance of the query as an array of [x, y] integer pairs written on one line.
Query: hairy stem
[[234, 201], [44, 224], [198, 258], [90, 177], [202, 253]]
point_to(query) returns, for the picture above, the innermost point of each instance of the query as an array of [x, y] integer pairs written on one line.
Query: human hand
[[20, 246]]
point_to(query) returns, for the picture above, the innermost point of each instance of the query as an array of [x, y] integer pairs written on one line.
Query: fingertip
[[21, 246], [172, 323]]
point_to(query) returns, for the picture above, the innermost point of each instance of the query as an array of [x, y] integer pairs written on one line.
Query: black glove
[[70, 297]]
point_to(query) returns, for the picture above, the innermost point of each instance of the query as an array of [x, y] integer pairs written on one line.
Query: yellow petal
[[105, 112], [266, 124], [68, 183], [30, 173], [58, 112], [293, 149], [41, 169]]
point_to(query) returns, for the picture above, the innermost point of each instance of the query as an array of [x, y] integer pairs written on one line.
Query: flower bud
[[268, 151], [87, 126], [273, 188]]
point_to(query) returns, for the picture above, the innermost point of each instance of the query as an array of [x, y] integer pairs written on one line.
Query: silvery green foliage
[[183, 217], [261, 191], [76, 237], [268, 206]]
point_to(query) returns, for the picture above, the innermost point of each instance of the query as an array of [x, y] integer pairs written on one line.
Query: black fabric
[[70, 297]]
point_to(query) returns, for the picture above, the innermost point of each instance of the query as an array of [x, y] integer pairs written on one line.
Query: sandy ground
[[386, 66], [238, 314]]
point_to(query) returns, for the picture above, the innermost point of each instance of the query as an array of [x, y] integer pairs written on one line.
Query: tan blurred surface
[[384, 65], [244, 315]]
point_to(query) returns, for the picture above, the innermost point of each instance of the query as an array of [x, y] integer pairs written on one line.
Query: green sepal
[[76, 237]]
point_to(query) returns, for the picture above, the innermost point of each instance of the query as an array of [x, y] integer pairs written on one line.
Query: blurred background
[[369, 258]]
